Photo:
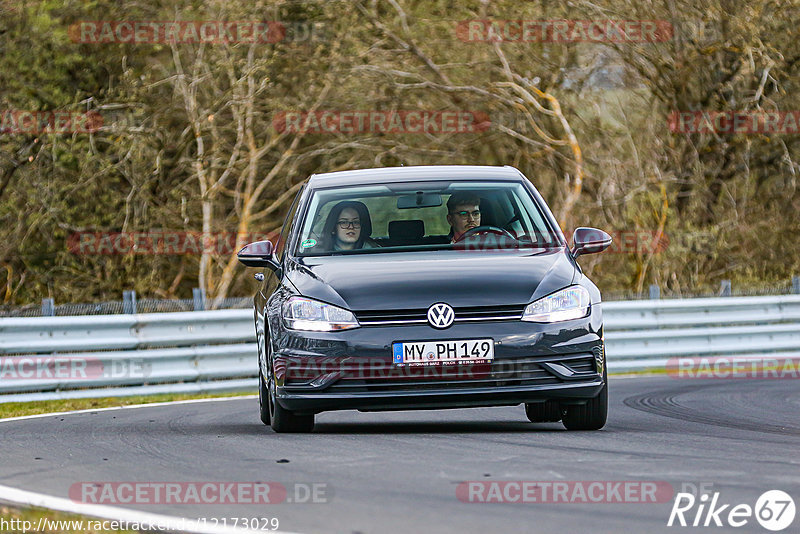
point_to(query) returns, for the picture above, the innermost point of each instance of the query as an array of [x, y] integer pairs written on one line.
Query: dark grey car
[[378, 297]]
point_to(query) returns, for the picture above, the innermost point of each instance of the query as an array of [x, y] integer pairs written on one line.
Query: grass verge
[[17, 409]]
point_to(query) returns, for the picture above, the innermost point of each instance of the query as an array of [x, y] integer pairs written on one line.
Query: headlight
[[305, 314], [569, 303]]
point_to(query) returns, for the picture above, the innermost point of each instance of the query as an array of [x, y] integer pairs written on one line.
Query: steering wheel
[[487, 229], [513, 219]]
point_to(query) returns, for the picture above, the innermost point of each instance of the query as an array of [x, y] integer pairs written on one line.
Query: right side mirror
[[589, 241], [258, 254]]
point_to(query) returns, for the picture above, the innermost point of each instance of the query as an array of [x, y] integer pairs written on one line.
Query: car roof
[[415, 174]]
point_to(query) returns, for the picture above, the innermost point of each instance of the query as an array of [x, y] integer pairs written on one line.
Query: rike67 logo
[[774, 510]]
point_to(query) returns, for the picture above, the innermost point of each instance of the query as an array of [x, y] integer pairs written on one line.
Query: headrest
[[407, 232]]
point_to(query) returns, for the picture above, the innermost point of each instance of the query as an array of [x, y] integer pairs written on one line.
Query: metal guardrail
[[215, 350], [101, 332], [645, 334], [70, 357]]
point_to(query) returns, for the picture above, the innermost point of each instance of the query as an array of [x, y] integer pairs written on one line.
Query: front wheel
[[543, 412], [283, 420], [589, 416]]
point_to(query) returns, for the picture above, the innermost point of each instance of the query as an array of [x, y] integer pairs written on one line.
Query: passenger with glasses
[[347, 227], [463, 213]]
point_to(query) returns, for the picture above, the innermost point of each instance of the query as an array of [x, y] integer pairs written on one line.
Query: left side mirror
[[589, 241], [258, 254]]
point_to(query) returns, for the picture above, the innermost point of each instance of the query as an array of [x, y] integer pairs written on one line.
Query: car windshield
[[422, 216]]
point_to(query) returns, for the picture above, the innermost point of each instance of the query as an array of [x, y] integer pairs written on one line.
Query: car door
[[271, 280]]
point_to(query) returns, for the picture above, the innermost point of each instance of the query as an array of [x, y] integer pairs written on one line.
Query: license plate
[[443, 352]]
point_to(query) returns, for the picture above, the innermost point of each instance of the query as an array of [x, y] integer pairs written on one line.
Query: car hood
[[415, 280]]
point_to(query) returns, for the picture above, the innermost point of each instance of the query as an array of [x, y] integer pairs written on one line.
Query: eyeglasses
[[344, 225], [464, 214]]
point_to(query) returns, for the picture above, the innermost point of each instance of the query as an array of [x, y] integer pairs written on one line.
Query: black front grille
[[385, 377], [582, 365], [497, 374], [420, 315]]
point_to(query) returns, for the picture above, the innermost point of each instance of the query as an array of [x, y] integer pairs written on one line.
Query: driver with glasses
[[463, 213]]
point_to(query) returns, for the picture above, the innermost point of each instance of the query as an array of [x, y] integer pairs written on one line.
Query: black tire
[[589, 416], [272, 413], [283, 420], [263, 402], [543, 412]]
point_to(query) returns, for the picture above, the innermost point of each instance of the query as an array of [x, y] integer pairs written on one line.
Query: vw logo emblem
[[441, 315]]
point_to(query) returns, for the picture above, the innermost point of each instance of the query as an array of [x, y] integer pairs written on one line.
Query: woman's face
[[348, 228]]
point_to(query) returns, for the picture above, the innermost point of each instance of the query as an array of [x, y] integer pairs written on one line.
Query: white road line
[[131, 406], [29, 498], [154, 521], [112, 512]]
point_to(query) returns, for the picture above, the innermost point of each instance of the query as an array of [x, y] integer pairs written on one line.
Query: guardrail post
[[48, 308], [796, 285], [199, 296], [725, 288], [655, 292], [129, 301]]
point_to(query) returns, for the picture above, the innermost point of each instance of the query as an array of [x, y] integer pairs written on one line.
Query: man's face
[[463, 217]]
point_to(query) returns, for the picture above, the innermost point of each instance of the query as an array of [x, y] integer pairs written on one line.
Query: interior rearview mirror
[[419, 200]]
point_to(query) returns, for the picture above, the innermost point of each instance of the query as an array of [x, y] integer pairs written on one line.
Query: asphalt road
[[399, 471]]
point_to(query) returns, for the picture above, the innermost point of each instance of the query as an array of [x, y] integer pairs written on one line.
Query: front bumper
[[533, 362], [303, 403]]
